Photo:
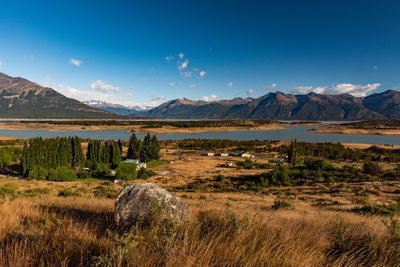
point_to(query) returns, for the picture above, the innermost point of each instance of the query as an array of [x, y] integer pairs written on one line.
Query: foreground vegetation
[[78, 230]]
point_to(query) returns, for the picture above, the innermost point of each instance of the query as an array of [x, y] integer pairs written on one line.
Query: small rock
[[140, 203]]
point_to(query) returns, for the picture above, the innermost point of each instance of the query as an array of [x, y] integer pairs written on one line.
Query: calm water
[[287, 134]]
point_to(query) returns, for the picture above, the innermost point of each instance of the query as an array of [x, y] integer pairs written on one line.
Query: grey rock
[[142, 203]]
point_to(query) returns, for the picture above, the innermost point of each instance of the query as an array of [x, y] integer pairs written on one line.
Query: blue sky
[[148, 52]]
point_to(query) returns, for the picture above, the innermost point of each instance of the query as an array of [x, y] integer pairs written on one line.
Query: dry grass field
[[44, 223]]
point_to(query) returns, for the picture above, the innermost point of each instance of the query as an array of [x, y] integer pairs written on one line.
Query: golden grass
[[79, 231]]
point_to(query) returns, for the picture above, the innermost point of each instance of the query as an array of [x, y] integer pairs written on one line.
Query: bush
[[101, 169], [247, 164], [145, 173], [318, 164], [220, 177], [126, 171], [38, 172], [36, 192], [378, 209], [281, 204], [8, 191], [372, 168], [68, 193], [105, 192], [62, 174]]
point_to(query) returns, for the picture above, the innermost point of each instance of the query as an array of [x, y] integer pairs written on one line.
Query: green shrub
[[372, 168], [247, 164], [318, 164], [8, 190], [220, 177], [36, 192], [378, 209], [101, 169], [68, 193], [62, 174], [38, 172], [105, 192], [126, 171], [281, 204]]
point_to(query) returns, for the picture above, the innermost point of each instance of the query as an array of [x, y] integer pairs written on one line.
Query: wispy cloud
[[169, 58], [250, 91], [1, 64], [183, 65], [270, 87], [303, 89], [192, 86], [230, 84], [75, 62], [202, 73], [375, 67], [104, 87], [209, 98], [187, 74], [174, 84], [181, 55], [158, 98]]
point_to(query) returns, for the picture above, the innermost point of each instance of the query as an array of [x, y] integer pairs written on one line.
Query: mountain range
[[20, 98], [281, 106]]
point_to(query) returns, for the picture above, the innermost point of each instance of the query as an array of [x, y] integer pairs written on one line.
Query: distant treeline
[[374, 124], [215, 144], [158, 124], [337, 151]]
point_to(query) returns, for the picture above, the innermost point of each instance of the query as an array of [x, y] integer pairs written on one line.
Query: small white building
[[224, 154], [247, 155], [141, 165], [210, 154]]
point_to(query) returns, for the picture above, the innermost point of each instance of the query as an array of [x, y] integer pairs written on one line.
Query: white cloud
[[302, 89], [342, 88], [320, 89], [75, 62], [181, 55], [230, 84], [184, 64], [129, 95], [192, 86], [353, 89], [202, 73], [375, 67], [250, 91], [1, 64], [187, 74], [209, 98], [174, 84], [158, 98], [169, 58], [104, 87], [270, 87]]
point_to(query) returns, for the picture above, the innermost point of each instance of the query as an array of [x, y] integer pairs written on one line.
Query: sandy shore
[[135, 128], [344, 130]]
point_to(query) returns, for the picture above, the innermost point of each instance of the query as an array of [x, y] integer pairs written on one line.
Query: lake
[[290, 133]]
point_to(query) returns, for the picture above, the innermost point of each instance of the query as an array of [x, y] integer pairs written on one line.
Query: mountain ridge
[[281, 106], [21, 98]]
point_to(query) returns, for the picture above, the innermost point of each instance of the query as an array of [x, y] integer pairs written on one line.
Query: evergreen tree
[[145, 152], [134, 147]]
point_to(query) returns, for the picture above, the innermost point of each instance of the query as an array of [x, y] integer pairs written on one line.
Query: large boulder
[[143, 203]]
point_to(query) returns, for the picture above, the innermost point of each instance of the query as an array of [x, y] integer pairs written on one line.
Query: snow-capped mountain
[[118, 108]]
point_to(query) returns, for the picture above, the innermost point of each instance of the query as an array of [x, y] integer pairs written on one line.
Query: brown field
[[44, 223], [340, 129], [135, 128]]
